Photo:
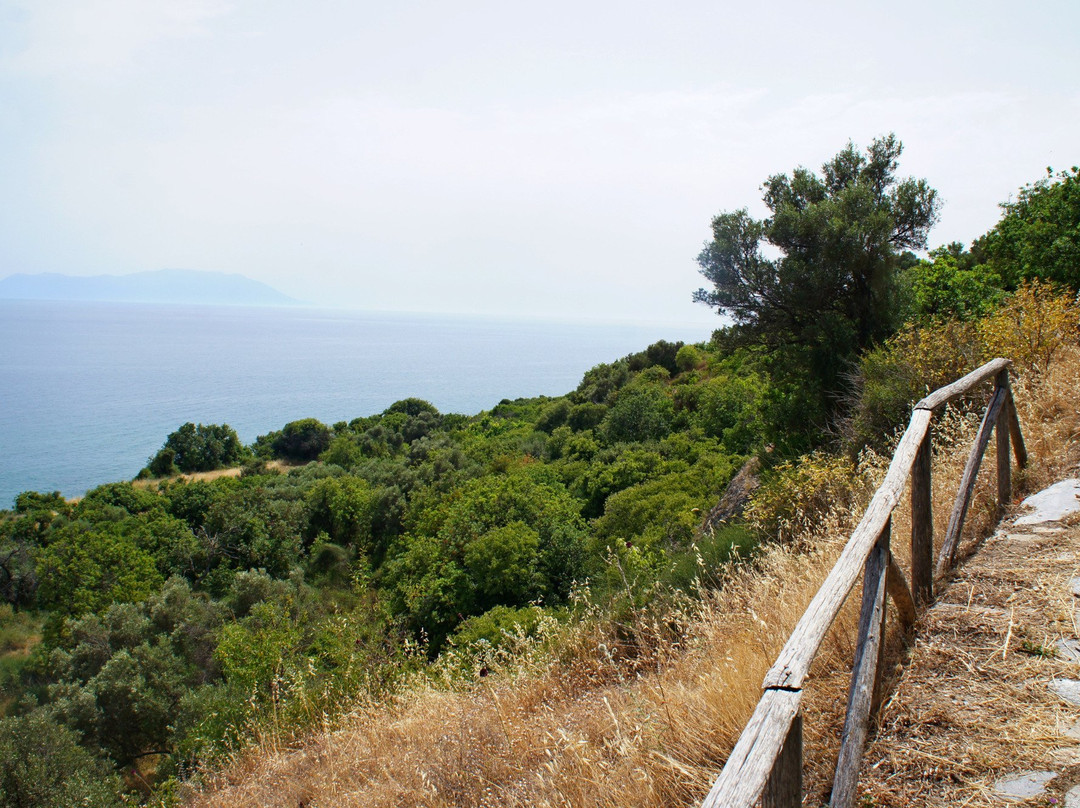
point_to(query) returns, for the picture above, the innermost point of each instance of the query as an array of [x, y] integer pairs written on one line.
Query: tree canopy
[[202, 447], [839, 237], [1039, 234]]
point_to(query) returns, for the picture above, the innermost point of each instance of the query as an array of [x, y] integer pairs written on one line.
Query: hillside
[[160, 286], [644, 709]]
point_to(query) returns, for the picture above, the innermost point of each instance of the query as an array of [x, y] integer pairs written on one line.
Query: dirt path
[[987, 710]]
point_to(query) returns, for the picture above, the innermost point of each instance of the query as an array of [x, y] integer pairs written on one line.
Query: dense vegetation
[[151, 626]]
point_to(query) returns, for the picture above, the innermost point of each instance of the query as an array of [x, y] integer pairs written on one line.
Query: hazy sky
[[537, 158]]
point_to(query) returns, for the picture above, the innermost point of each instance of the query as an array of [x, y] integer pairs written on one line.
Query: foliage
[[86, 570], [664, 511], [830, 293], [344, 451], [951, 286], [1034, 325], [1038, 236], [509, 538], [204, 447], [687, 358], [342, 508], [797, 497], [42, 765], [1030, 327], [496, 626], [299, 441], [639, 413]]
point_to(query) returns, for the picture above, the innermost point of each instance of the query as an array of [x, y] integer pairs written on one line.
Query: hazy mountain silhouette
[[160, 286]]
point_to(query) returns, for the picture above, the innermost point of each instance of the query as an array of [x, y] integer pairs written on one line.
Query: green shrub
[[497, 627], [299, 441], [702, 564], [204, 447], [687, 358], [42, 765]]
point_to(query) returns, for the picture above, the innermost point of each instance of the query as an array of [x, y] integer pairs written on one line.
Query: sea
[[90, 391]]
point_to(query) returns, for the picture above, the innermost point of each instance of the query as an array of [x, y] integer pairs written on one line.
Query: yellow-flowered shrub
[[1031, 326], [1034, 324], [803, 497]]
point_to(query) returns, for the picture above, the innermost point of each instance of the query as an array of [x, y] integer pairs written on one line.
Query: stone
[[1024, 785], [1074, 586], [1073, 731], [1072, 797], [1052, 504], [1064, 756], [1069, 650], [1067, 689]]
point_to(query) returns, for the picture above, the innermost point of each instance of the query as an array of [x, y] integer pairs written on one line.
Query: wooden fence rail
[[766, 763]]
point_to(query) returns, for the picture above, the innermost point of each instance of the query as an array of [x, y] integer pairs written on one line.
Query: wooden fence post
[[784, 787], [1004, 466], [922, 526], [947, 555], [865, 675], [1019, 449]]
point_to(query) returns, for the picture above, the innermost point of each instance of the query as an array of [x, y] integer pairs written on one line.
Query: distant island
[[160, 286]]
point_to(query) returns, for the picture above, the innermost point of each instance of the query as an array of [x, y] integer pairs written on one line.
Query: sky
[[558, 159]]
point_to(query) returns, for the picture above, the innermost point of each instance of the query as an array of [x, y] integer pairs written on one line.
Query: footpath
[[986, 711]]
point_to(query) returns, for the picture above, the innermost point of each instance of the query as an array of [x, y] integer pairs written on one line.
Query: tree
[[412, 407], [42, 764], [198, 448], [950, 284], [1039, 235], [839, 236], [301, 440], [341, 507], [85, 571]]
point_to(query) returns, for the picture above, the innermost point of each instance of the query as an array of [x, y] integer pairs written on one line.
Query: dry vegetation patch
[[974, 702]]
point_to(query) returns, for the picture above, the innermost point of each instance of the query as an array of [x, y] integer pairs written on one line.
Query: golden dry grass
[[974, 704], [233, 471], [641, 714]]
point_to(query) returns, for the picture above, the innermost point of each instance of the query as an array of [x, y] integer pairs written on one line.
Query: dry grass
[[642, 714], [973, 705], [193, 476]]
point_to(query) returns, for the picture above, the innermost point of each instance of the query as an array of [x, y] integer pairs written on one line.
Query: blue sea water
[[89, 391]]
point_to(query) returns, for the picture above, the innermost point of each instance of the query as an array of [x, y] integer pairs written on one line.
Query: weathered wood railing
[[766, 762]]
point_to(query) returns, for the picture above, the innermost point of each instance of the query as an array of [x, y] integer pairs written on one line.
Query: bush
[[496, 627], [703, 562], [944, 287], [344, 451], [639, 414], [299, 441], [798, 496], [1035, 323], [412, 407], [198, 448], [42, 765], [553, 415], [599, 383], [687, 358], [1038, 235], [1030, 328], [163, 464]]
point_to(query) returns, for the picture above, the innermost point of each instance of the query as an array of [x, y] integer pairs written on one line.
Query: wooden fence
[[766, 763]]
